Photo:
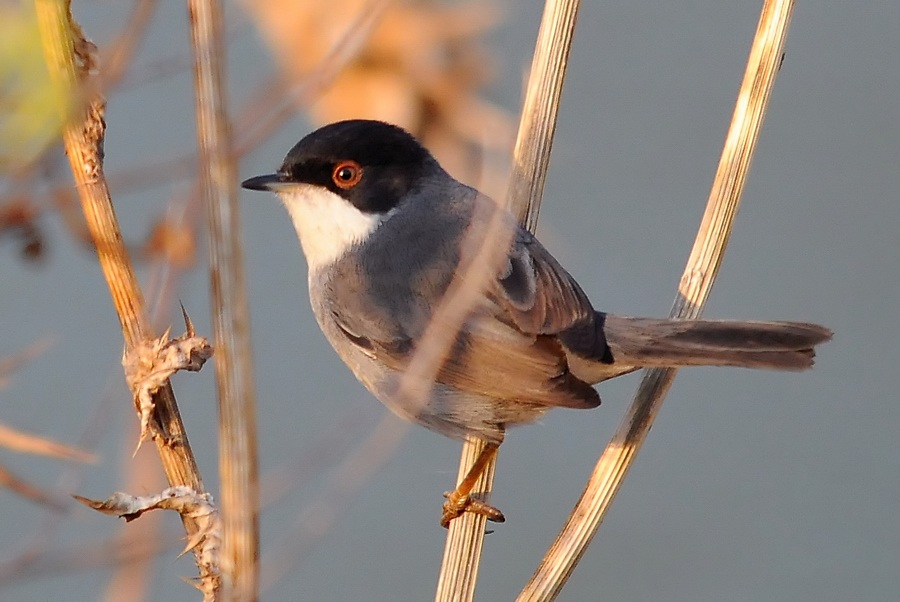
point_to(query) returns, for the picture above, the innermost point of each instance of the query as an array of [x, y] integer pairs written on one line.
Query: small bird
[[382, 227]]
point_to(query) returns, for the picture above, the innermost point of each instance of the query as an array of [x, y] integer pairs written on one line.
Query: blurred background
[[752, 486]]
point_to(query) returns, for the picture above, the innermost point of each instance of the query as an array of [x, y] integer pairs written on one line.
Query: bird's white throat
[[327, 225]]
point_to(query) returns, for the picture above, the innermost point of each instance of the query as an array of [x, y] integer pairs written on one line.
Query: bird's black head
[[371, 164]]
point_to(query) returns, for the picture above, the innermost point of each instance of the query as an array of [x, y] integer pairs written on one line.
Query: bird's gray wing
[[540, 297], [509, 346], [537, 293]]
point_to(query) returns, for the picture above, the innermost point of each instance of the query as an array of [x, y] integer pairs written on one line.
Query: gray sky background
[[751, 486]]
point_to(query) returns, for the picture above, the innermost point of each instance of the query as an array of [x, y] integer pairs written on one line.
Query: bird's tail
[[643, 342]]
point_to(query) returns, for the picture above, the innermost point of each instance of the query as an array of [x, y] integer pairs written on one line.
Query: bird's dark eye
[[346, 174]]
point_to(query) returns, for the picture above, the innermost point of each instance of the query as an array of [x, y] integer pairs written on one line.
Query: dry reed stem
[[83, 139], [29, 491], [28, 443], [14, 361], [465, 536], [123, 48], [531, 155], [699, 275], [134, 574], [462, 551], [238, 463]]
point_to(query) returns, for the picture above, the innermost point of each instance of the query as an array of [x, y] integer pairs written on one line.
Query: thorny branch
[[199, 507], [150, 364], [71, 60]]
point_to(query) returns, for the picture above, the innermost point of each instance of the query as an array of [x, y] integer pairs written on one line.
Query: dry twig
[[72, 64], [30, 491], [149, 365], [462, 552], [699, 275], [197, 506], [238, 463], [28, 443], [11, 363]]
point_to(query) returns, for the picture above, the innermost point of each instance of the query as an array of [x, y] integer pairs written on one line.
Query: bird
[[383, 228]]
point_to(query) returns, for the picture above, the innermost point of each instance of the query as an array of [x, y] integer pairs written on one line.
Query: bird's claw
[[458, 503]]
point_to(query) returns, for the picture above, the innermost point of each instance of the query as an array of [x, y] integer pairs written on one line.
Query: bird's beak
[[271, 182]]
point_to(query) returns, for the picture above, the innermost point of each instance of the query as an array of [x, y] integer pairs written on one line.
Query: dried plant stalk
[[29, 491], [238, 464], [28, 443], [531, 155], [465, 537], [696, 283], [83, 139], [462, 551]]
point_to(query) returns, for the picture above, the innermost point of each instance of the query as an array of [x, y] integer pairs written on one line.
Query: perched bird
[[382, 226]]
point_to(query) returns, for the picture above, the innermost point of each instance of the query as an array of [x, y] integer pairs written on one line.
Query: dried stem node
[[149, 365], [206, 542]]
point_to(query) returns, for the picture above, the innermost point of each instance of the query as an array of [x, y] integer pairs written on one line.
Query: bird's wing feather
[[490, 358], [506, 348], [537, 293]]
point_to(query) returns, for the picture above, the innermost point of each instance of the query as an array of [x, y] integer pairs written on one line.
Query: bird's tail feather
[[644, 342]]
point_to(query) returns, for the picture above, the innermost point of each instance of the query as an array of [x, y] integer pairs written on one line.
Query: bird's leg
[[459, 500]]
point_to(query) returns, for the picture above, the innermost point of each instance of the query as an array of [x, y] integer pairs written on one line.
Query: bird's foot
[[458, 503]]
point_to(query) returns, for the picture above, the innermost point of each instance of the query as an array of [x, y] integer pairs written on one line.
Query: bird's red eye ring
[[346, 174]]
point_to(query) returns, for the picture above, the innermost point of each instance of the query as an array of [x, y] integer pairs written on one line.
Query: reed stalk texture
[[693, 290]]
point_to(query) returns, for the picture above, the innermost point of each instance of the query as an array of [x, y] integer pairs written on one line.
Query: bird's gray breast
[[376, 301], [391, 283], [378, 298]]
